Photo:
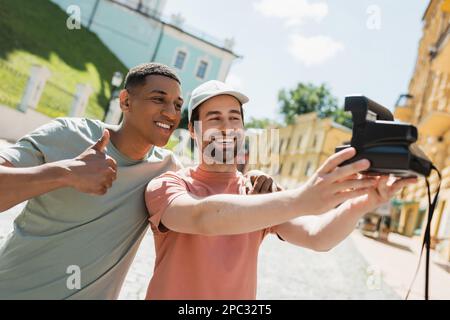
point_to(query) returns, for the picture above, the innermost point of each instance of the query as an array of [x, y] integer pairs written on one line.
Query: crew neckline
[[213, 175], [125, 159]]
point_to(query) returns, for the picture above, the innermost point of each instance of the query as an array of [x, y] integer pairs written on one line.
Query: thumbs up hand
[[92, 171], [101, 144]]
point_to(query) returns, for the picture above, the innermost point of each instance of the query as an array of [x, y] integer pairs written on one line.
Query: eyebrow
[[213, 113], [165, 94], [159, 91]]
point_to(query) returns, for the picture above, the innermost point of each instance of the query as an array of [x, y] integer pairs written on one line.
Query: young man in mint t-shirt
[[85, 181]]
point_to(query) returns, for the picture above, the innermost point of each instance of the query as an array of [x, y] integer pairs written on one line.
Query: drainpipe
[[158, 43], [91, 18]]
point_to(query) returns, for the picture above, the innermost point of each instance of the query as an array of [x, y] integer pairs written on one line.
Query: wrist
[[355, 209], [60, 173], [300, 204]]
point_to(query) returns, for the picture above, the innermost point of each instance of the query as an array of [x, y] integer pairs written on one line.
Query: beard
[[220, 154], [226, 155]]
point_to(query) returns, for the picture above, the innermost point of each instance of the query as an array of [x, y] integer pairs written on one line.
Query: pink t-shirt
[[194, 266]]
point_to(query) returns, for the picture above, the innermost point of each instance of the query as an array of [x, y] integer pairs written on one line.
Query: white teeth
[[163, 125], [222, 140]]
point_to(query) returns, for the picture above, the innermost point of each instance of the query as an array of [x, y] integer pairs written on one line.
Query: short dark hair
[[196, 115], [137, 75]]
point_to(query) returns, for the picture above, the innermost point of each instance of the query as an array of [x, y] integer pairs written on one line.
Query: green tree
[[261, 123], [184, 119], [305, 98]]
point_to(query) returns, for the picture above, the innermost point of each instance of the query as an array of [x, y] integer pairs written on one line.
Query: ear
[[191, 131], [124, 99]]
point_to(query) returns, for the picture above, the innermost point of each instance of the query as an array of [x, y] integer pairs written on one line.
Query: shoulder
[[83, 126], [173, 176], [168, 156], [162, 153], [69, 127], [165, 186]]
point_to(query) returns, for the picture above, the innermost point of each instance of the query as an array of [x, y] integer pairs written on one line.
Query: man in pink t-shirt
[[208, 231]]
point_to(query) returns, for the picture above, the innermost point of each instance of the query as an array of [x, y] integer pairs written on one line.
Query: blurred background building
[[304, 145], [63, 58], [302, 148], [137, 31], [427, 105]]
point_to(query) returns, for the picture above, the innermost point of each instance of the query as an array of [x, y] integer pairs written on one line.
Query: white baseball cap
[[211, 89]]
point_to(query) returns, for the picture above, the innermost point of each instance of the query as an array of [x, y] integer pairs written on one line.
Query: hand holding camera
[[332, 185]]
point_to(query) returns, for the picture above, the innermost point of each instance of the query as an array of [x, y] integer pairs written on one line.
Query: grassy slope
[[35, 32]]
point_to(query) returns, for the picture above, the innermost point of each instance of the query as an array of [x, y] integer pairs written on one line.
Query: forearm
[[329, 229], [20, 184], [233, 214]]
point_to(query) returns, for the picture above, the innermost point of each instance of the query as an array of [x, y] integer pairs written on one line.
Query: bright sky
[[355, 46]]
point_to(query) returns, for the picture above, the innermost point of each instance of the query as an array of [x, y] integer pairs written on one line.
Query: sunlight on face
[[220, 130]]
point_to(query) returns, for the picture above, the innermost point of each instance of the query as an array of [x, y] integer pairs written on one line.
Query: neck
[[218, 167], [129, 142]]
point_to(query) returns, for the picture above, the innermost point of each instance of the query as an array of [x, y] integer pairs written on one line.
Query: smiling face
[[221, 133], [153, 109]]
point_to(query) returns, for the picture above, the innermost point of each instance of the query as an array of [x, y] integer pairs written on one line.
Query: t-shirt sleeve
[[160, 193], [32, 149]]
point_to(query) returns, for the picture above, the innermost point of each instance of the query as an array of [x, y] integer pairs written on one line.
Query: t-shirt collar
[[202, 174]]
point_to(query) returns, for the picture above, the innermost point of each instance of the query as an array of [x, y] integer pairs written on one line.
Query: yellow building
[[427, 105], [302, 147]]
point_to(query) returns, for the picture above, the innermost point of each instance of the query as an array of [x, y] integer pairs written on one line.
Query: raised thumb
[[101, 144]]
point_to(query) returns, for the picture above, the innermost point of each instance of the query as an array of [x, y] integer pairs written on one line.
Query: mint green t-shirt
[[65, 237]]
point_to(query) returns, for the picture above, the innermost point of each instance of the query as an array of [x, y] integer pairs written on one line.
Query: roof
[[191, 32]]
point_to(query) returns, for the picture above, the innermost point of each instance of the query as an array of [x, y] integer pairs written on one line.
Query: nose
[[229, 125], [225, 125], [170, 112]]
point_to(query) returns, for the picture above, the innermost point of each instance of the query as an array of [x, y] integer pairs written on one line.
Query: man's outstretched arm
[[233, 214], [91, 172], [324, 232]]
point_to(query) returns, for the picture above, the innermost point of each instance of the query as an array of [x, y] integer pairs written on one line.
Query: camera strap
[[426, 244]]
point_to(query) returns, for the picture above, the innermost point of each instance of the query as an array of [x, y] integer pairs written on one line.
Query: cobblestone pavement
[[285, 271]]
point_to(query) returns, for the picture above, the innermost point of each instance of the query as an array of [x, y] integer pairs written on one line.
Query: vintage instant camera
[[389, 145]]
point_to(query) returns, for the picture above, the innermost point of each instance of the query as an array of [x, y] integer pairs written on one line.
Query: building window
[[308, 165], [314, 141], [291, 172], [288, 144], [201, 70], [299, 142], [180, 59]]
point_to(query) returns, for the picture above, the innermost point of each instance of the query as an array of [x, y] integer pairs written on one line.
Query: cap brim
[[242, 98]]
